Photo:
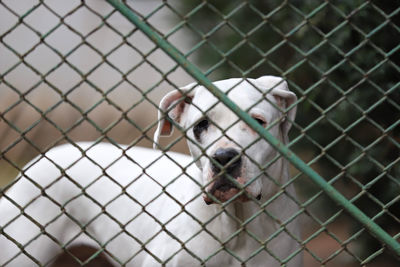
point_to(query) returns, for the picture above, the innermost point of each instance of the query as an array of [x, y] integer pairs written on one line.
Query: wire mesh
[[81, 71]]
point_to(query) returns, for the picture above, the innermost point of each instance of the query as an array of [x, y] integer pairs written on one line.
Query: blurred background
[[77, 70]]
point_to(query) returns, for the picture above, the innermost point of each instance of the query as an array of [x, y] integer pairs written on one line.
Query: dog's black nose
[[228, 158]]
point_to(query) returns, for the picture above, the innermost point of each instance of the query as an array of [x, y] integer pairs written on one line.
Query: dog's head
[[227, 151]]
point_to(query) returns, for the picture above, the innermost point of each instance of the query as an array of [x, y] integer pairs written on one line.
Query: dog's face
[[227, 151]]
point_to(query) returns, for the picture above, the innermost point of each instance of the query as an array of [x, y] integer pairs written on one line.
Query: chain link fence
[[97, 70]]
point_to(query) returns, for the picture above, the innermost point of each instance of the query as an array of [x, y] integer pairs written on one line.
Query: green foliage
[[342, 59]]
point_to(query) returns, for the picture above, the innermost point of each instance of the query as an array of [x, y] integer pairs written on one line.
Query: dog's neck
[[248, 225], [247, 216]]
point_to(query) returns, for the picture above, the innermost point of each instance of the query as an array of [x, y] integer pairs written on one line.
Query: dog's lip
[[223, 196], [208, 200]]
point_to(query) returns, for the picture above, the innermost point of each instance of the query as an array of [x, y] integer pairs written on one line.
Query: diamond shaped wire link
[[226, 19]]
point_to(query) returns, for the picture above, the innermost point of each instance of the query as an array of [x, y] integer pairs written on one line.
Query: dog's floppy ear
[[284, 98], [172, 107]]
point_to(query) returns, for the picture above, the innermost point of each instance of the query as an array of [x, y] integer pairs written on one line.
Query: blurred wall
[[78, 80]]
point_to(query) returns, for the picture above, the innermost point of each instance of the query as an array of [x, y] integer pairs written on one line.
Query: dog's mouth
[[224, 189], [224, 196], [227, 173]]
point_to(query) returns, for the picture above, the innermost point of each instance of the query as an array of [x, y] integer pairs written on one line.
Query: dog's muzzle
[[226, 166]]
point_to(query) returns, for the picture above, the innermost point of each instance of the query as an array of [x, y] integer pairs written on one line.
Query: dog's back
[[95, 195]]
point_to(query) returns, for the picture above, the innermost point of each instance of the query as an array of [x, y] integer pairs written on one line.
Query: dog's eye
[[200, 127], [260, 121]]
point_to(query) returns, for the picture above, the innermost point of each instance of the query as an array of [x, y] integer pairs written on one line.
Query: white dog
[[144, 208]]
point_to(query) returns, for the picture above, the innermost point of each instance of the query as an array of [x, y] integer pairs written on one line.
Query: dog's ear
[[284, 98], [172, 107]]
